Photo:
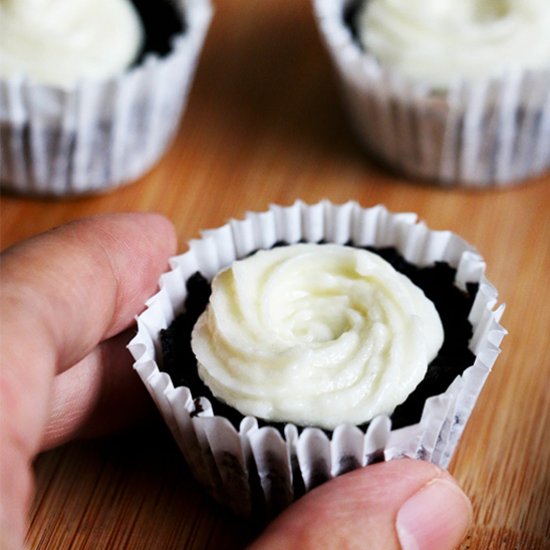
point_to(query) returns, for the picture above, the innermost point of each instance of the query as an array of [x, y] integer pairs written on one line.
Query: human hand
[[67, 299]]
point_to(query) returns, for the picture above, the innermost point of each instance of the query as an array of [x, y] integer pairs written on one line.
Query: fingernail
[[435, 517]]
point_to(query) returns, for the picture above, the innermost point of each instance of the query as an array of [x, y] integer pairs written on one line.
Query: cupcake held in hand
[[91, 93], [300, 343], [454, 92]]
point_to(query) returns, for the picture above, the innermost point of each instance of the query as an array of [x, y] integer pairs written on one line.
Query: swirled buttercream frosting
[[315, 334], [440, 41], [57, 42]]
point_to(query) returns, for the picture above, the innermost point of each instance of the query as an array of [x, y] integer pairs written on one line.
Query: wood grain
[[265, 124]]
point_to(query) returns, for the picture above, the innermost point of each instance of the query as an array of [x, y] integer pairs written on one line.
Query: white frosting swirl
[[440, 41], [315, 335], [57, 42]]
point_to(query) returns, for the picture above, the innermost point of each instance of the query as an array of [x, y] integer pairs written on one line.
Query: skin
[[73, 372]]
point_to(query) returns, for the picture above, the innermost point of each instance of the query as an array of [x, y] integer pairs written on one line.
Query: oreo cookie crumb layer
[[349, 15], [437, 282], [162, 21]]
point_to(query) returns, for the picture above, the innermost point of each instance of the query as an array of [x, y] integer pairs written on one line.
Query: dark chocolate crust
[[162, 21], [349, 16], [437, 282]]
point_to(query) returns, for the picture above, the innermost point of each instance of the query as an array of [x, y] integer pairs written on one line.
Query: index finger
[[83, 282]]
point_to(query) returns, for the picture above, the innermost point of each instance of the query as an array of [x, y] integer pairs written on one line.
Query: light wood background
[[264, 124]]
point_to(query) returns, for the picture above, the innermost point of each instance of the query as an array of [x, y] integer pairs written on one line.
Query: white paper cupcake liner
[[254, 470], [100, 134], [490, 133]]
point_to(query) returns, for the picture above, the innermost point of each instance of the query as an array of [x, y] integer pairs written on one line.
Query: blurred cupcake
[[455, 92], [91, 92], [282, 383]]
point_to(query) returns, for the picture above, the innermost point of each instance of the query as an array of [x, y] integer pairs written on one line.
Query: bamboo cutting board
[[264, 124]]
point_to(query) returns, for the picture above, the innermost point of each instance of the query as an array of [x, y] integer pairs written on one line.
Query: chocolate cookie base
[[162, 22]]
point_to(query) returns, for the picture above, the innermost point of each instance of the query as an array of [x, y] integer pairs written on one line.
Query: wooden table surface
[[264, 124]]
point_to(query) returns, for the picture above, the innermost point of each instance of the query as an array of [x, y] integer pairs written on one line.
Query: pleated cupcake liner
[[481, 134], [257, 471], [99, 134]]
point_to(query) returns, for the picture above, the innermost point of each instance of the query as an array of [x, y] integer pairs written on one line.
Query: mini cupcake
[[453, 92], [91, 92], [275, 436]]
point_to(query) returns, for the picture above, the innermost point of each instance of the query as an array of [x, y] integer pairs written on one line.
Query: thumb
[[406, 504]]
